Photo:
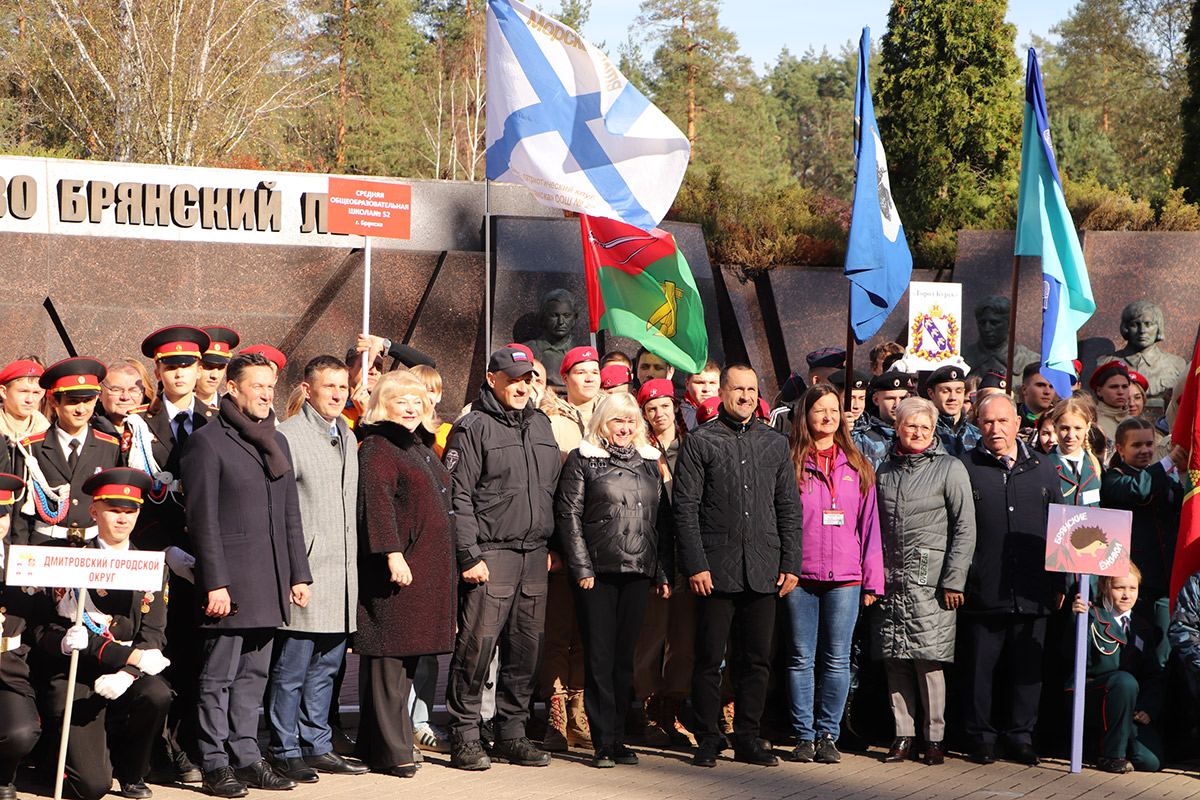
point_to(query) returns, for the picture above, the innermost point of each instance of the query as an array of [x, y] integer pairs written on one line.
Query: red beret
[[614, 375], [577, 355], [21, 369], [1106, 371], [708, 409], [651, 390], [270, 353], [1140, 380]]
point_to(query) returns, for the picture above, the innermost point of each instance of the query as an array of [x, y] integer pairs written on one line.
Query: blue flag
[[1045, 228], [878, 262]]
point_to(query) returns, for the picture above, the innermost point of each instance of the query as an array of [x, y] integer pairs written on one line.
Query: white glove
[[76, 638], [112, 686], [181, 563], [153, 662]]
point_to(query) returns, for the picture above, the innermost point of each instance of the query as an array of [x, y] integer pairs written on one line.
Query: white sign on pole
[[934, 324], [86, 568]]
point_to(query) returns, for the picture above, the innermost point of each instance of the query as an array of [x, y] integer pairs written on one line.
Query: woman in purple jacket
[[842, 569]]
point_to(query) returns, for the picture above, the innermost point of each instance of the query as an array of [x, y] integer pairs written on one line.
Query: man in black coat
[[20, 726], [738, 522], [503, 463], [243, 517], [1009, 593]]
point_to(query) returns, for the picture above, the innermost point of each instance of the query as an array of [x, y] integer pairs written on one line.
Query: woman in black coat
[[616, 545], [407, 575]]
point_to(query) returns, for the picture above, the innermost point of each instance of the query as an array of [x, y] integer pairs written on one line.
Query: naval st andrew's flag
[[563, 121], [1045, 228], [639, 285], [878, 262]]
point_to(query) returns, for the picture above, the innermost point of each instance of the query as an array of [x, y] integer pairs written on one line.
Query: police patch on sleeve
[[451, 459]]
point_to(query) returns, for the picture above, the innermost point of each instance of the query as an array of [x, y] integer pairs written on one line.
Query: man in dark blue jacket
[[738, 520], [1009, 592], [243, 517]]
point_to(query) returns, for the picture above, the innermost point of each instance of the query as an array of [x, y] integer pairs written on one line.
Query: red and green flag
[[1186, 435], [639, 285]]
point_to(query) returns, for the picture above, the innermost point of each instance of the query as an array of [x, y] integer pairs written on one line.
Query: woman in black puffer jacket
[[612, 521]]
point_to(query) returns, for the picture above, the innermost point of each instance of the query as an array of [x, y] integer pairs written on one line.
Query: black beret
[[826, 357], [889, 381], [858, 380], [994, 380], [946, 374]]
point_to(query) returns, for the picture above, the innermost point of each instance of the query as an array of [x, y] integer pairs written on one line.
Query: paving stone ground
[[668, 774]]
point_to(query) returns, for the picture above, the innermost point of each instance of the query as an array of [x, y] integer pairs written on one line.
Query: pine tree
[[950, 116], [1187, 177]]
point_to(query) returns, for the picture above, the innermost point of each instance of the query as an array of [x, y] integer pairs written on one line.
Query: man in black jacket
[[738, 521], [243, 517], [503, 463], [1009, 592]]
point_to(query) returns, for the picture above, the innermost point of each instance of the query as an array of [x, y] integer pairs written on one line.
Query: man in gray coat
[[309, 651]]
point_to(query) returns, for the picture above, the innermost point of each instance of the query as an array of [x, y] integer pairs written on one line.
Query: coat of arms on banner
[[935, 320]]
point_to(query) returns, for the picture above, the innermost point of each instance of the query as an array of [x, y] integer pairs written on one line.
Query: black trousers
[[187, 657], [19, 732], [610, 621], [232, 682], [108, 737], [1012, 643], [385, 731], [509, 611], [745, 621]]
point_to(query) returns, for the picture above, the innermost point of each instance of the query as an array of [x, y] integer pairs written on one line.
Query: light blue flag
[[878, 262], [1045, 228]]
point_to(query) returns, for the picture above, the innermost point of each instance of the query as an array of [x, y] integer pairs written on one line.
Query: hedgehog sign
[[1090, 541]]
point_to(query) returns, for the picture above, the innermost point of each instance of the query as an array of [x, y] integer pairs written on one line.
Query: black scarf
[[620, 453], [260, 433]]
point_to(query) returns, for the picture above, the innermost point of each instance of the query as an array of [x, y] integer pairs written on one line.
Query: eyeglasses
[[121, 391], [914, 428]]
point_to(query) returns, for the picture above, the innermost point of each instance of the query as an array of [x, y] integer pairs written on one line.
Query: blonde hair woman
[[607, 517], [407, 569]]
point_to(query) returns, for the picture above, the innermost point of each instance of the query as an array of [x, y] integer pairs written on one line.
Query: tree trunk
[[339, 157], [128, 84]]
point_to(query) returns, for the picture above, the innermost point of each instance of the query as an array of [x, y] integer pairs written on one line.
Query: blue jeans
[[818, 658], [300, 691], [421, 697]]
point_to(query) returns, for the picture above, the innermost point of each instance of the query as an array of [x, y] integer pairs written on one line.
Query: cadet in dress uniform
[[58, 460], [158, 434], [121, 700], [19, 727], [213, 362]]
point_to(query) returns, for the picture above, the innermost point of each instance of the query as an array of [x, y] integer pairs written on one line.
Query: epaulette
[[468, 419], [33, 437], [107, 437]]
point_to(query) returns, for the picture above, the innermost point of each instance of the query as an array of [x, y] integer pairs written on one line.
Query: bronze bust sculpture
[[556, 321]]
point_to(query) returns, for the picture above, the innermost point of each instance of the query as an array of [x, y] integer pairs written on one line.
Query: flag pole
[[1081, 626], [366, 312], [72, 671], [1012, 317], [847, 392], [487, 266]]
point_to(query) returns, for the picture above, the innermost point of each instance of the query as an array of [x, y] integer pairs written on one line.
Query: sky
[[765, 27]]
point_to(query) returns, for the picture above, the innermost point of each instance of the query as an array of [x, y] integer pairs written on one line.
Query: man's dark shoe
[[898, 752], [935, 754], [706, 753], [984, 754], [521, 752], [8, 791], [623, 754], [404, 771], [334, 764], [603, 758], [1117, 766], [1023, 753], [469, 755], [751, 751], [804, 752], [185, 770], [827, 752], [137, 789], [221, 782], [296, 769], [259, 775]]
